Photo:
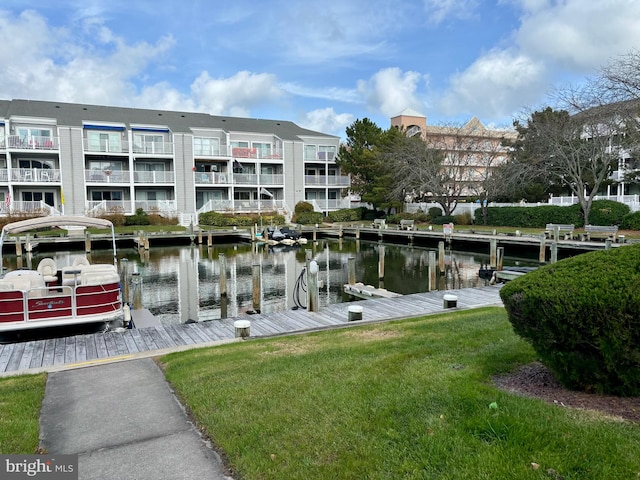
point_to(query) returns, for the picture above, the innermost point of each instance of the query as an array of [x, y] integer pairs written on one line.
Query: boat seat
[[6, 285], [48, 269], [69, 279], [28, 281], [80, 261], [98, 278]]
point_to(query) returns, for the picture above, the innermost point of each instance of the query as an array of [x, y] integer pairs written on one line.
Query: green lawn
[[20, 402], [404, 400]]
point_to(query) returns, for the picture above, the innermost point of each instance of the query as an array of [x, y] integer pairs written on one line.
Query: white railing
[[272, 179], [4, 175], [244, 206], [107, 176], [33, 175], [257, 153], [319, 157], [321, 205], [160, 206], [327, 180], [153, 148], [33, 207], [211, 151], [632, 201], [33, 142], [245, 178], [106, 146], [95, 208], [153, 176], [212, 178]]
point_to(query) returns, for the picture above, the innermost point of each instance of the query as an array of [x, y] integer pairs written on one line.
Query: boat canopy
[[55, 221]]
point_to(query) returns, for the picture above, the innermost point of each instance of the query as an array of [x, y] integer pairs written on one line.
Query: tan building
[[472, 150]]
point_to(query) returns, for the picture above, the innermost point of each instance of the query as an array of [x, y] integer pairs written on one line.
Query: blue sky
[[322, 64]]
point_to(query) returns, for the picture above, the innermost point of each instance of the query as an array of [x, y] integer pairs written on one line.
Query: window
[[206, 146], [310, 152], [27, 163], [103, 141], [327, 152], [148, 143], [38, 197], [262, 149], [98, 196], [150, 167], [33, 134]]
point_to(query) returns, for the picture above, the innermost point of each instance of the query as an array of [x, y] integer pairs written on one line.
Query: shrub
[[307, 218], [217, 219], [140, 218], [442, 219], [532, 217], [581, 317], [631, 221], [607, 212], [302, 207], [435, 212], [117, 219], [345, 215], [463, 219]]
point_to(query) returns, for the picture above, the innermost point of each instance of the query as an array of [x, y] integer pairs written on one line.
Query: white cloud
[[495, 85], [327, 120], [439, 10], [391, 90], [235, 95], [580, 34]]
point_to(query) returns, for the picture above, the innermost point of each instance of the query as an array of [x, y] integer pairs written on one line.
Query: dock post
[[315, 232], [255, 277], [493, 245], [209, 239], [542, 256], [358, 232], [441, 256], [554, 251], [607, 244], [27, 244], [87, 241], [312, 286], [223, 274], [381, 262], [146, 241], [124, 276], [19, 247], [432, 270], [351, 270], [224, 303], [199, 237], [340, 232], [556, 237], [136, 284], [499, 258]]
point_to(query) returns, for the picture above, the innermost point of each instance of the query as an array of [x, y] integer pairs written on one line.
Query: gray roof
[[74, 114]]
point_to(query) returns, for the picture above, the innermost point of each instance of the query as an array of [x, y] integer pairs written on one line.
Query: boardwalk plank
[[70, 350], [175, 336], [110, 342], [139, 340], [16, 356], [27, 355], [166, 337], [81, 348], [90, 347], [132, 346], [37, 354], [6, 355], [59, 351], [101, 346], [145, 334], [157, 338], [49, 352], [120, 343]]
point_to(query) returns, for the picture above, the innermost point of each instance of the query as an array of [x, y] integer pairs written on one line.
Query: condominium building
[[90, 160]]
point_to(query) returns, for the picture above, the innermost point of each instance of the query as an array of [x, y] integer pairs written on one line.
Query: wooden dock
[[89, 349], [360, 290]]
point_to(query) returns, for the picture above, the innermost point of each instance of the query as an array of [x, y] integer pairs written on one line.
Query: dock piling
[[499, 258], [542, 256], [351, 269], [441, 257], [381, 262], [87, 241], [493, 245], [255, 277], [223, 274], [312, 286], [432, 271]]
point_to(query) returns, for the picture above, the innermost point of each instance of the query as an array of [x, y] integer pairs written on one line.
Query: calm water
[[183, 283]]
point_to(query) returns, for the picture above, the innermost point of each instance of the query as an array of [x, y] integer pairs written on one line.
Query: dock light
[[313, 267]]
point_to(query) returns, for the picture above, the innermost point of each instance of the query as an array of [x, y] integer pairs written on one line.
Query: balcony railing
[[35, 175], [160, 206], [319, 156], [153, 148], [107, 176], [257, 153], [251, 206], [245, 178], [207, 178], [272, 179], [106, 146], [166, 176], [332, 204], [4, 175], [33, 143], [211, 151], [327, 180], [31, 207], [100, 207]]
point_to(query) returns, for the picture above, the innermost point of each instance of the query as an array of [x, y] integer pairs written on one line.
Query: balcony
[[245, 179], [319, 156], [154, 176], [332, 203], [105, 146], [272, 179], [211, 151], [107, 176], [256, 153], [246, 206], [101, 207], [327, 180], [4, 175], [33, 143], [35, 175], [153, 148], [208, 178], [157, 206]]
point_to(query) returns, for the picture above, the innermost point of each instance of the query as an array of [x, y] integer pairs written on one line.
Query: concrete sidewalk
[[124, 422]]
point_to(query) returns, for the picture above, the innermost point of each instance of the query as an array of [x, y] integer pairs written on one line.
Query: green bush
[[217, 219], [442, 219], [302, 207], [631, 221], [581, 317], [140, 218], [117, 219], [607, 212], [307, 218], [345, 215], [463, 219], [532, 217], [435, 212]]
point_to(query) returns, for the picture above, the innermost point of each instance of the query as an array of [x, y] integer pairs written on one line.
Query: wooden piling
[[136, 285], [209, 239], [255, 277], [381, 262], [607, 244], [27, 244], [315, 233], [441, 257], [19, 247], [223, 274], [358, 232], [87, 241], [351, 270], [312, 287], [124, 276], [340, 232], [542, 256], [499, 258], [493, 245], [554, 251], [432, 271], [199, 237]]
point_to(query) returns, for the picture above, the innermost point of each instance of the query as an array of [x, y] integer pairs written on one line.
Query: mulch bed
[[536, 380]]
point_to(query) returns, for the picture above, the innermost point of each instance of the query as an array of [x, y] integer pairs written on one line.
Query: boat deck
[[88, 349]]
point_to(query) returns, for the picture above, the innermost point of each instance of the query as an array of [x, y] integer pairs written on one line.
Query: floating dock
[[360, 290]]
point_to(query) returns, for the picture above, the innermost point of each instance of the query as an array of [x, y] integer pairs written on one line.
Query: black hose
[[300, 286]]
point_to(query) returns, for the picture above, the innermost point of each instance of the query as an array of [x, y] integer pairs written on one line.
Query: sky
[[320, 63]]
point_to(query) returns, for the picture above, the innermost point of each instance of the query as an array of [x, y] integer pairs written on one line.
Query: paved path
[[124, 422]]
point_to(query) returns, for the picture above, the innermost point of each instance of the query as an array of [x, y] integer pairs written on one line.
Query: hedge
[[581, 317]]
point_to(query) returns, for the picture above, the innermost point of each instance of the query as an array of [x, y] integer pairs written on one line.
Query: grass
[[402, 400], [20, 402]]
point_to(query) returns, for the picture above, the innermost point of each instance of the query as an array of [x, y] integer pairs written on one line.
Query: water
[[183, 283]]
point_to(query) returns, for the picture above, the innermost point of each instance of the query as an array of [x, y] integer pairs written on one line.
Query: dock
[[90, 349]]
